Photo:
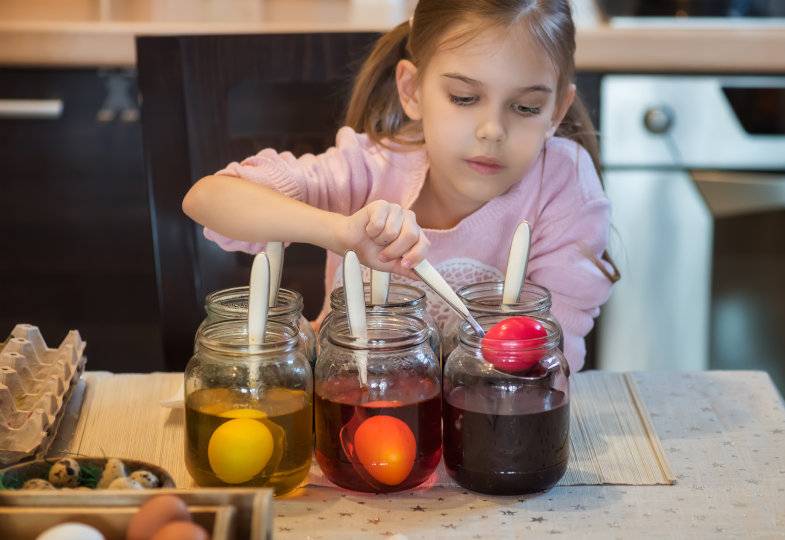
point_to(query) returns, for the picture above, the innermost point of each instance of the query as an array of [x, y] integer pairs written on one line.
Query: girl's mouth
[[484, 165]]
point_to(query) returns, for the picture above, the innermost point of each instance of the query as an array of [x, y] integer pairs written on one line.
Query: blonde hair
[[374, 107]]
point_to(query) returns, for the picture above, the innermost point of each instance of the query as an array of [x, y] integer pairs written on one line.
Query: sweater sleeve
[[568, 239], [339, 180]]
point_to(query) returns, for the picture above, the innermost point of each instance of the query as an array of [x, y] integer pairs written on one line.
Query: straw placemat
[[612, 439]]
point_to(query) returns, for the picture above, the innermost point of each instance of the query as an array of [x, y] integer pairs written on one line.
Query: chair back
[[209, 100]]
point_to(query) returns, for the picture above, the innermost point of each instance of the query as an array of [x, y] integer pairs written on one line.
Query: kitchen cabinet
[[75, 224]]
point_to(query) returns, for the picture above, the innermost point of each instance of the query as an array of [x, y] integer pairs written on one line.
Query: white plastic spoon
[[517, 261], [355, 308], [380, 287], [258, 293], [274, 252], [426, 272]]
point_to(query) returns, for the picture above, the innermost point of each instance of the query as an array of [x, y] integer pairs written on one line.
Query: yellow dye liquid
[[276, 454]]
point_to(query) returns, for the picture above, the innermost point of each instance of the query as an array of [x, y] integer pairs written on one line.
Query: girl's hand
[[385, 237]]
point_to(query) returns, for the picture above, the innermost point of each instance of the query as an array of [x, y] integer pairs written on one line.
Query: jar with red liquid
[[232, 303], [485, 298], [248, 408], [378, 429], [506, 433], [402, 299]]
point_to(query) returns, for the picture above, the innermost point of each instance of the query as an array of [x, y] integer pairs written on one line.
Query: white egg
[[71, 531]]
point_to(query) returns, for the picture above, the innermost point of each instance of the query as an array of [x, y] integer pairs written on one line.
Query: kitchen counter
[[100, 33], [722, 432]]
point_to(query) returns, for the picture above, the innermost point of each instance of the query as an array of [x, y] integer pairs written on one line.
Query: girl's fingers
[[417, 253], [383, 233], [408, 234], [377, 213]]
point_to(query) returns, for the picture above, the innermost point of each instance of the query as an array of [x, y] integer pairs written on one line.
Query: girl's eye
[[526, 111], [462, 100]]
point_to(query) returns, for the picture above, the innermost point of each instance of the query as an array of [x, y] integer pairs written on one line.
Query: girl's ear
[[408, 92], [560, 110]]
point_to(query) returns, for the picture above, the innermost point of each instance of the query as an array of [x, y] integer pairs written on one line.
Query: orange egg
[[386, 447], [154, 514], [181, 530]]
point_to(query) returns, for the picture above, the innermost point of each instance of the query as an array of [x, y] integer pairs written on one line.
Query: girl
[[462, 123]]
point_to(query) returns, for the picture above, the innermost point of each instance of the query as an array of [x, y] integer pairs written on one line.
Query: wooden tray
[[229, 514]]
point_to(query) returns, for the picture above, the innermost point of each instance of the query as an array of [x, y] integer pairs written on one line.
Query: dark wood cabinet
[[74, 218]]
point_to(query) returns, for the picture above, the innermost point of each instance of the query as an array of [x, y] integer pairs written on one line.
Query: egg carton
[[35, 384]]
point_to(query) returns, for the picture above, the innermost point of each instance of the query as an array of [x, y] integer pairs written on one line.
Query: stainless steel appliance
[[695, 168], [693, 8]]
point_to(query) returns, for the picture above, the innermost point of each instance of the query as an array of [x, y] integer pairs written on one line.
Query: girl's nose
[[491, 129]]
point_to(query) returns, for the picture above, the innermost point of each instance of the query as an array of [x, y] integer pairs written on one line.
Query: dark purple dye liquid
[[511, 445]]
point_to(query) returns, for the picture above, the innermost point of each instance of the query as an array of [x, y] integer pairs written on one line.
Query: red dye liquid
[[521, 451], [378, 445]]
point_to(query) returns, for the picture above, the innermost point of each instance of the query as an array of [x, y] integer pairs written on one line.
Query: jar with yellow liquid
[[248, 408]]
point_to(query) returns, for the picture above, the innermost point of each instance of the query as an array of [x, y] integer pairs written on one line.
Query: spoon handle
[[380, 287], [426, 272], [258, 292], [355, 308], [274, 252], [517, 261]]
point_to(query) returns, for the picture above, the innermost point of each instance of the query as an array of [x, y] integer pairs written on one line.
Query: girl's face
[[486, 106]]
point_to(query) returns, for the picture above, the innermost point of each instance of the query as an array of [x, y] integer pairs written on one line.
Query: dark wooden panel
[[75, 223]]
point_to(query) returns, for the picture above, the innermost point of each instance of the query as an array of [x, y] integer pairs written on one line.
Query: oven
[[695, 170]]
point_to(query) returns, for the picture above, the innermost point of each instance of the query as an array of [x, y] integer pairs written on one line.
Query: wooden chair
[[210, 100]]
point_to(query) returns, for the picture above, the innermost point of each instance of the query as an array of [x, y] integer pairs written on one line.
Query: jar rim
[[230, 337], [233, 302], [468, 337], [486, 297], [407, 332], [417, 297]]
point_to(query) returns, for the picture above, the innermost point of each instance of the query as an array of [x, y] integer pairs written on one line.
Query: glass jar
[[485, 298], [401, 299], [248, 409], [384, 433], [232, 303], [506, 433]]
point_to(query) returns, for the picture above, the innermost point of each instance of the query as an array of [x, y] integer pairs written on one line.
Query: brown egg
[[154, 514], [181, 530]]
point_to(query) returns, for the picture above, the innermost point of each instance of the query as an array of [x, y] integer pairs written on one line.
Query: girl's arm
[[384, 236]]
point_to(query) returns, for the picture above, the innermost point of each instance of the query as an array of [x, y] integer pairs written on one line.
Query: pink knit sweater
[[561, 198]]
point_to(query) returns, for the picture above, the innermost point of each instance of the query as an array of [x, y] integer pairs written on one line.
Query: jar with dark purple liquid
[[485, 299], [506, 433]]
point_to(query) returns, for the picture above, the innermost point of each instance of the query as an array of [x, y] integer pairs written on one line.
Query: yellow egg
[[243, 413], [239, 449]]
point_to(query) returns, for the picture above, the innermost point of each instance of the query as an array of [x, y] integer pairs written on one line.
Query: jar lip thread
[[403, 331], [231, 337], [486, 297], [233, 302], [469, 337], [416, 297]]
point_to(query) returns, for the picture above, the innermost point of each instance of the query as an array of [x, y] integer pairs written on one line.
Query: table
[[723, 433]]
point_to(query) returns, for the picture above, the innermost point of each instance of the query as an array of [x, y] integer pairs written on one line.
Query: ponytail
[[374, 108], [577, 126]]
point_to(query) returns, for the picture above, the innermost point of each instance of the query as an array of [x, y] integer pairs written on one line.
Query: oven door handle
[[737, 193]]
